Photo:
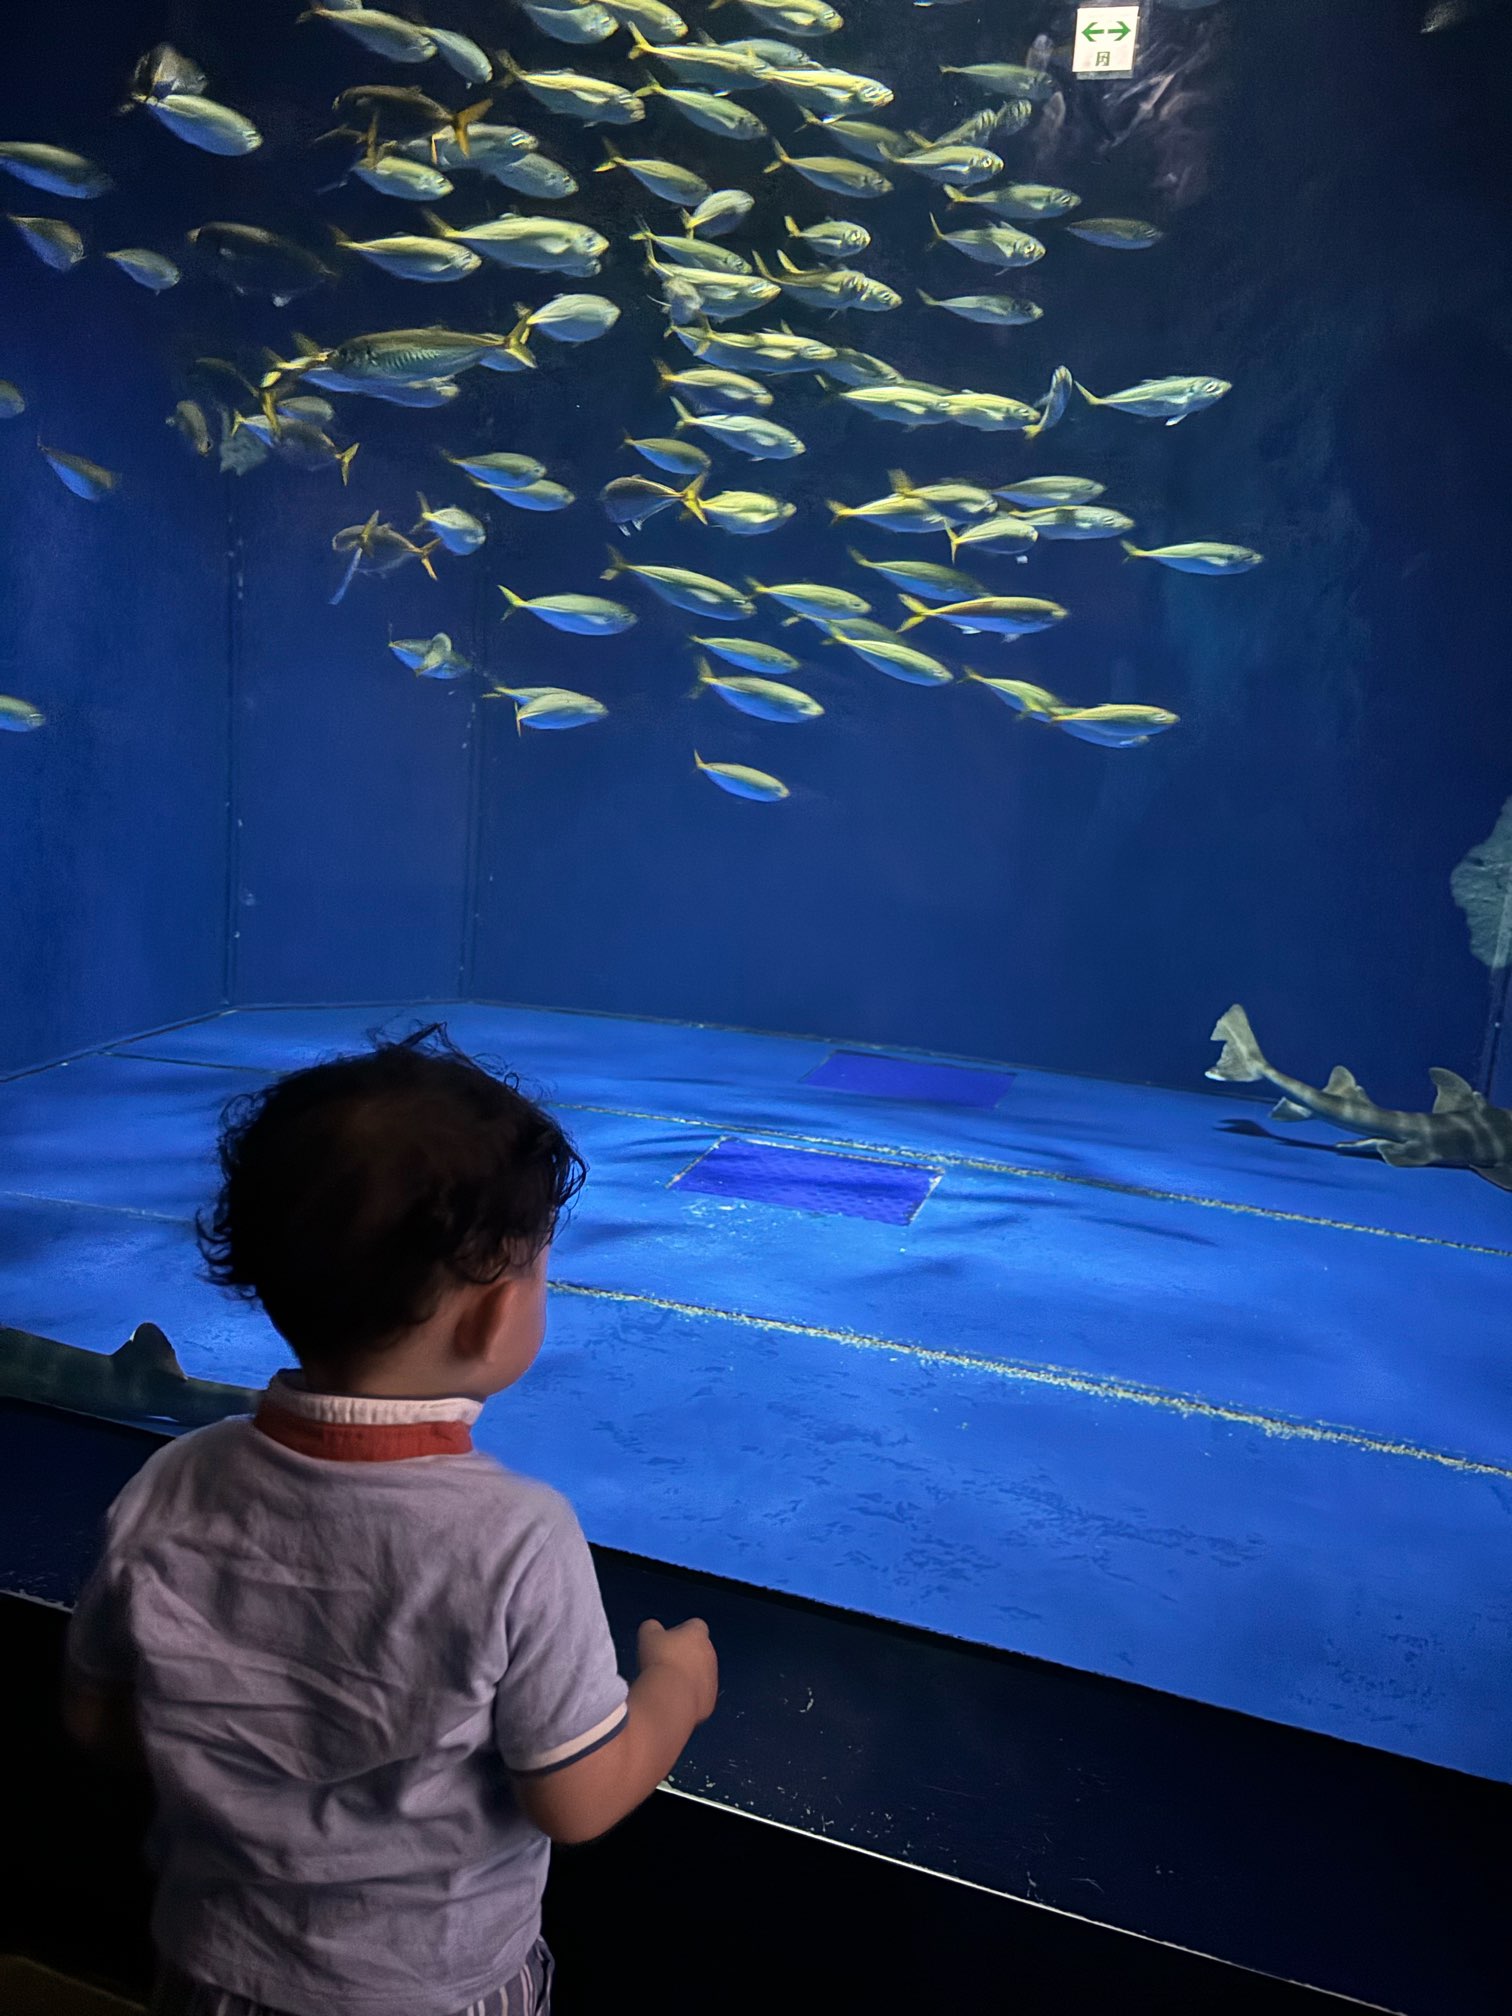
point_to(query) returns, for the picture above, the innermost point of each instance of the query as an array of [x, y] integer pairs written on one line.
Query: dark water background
[[241, 796]]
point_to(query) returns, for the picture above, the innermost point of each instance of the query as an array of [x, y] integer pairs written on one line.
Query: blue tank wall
[[113, 616], [1336, 198], [1334, 190]]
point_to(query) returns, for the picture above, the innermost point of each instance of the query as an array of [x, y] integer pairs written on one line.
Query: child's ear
[[481, 1318]]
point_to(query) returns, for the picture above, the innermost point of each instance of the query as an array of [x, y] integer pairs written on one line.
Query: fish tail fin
[[837, 511], [920, 613], [438, 224], [613, 158], [783, 158], [512, 71], [794, 228], [936, 235], [705, 678], [1090, 397], [512, 602], [344, 462], [339, 235], [1242, 1060], [664, 372], [684, 417], [763, 269], [928, 299], [423, 553], [460, 126], [639, 46], [692, 495], [955, 195], [618, 564], [859, 558], [517, 342], [425, 510], [758, 587], [1131, 551]]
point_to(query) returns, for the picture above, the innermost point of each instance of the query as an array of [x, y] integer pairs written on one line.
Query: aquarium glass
[[880, 568]]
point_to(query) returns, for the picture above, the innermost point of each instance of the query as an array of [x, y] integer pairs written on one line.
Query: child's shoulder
[[183, 1456], [483, 1480]]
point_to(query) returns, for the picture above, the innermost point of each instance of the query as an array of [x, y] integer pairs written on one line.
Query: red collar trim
[[361, 1441]]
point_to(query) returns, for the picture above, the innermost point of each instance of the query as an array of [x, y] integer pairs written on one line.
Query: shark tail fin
[[1242, 1061]]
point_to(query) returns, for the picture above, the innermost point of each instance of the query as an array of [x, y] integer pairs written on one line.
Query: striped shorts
[[528, 1993]]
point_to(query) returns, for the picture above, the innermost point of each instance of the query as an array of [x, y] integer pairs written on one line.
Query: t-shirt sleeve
[[561, 1696], [98, 1647]]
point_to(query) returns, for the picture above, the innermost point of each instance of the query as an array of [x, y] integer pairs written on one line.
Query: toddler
[[368, 1668]]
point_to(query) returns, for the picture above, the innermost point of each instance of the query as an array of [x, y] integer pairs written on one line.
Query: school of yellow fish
[[411, 144]]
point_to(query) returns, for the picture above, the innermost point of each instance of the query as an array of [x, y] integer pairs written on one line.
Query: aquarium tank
[[902, 607]]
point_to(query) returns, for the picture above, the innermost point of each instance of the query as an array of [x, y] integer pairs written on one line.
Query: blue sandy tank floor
[[1118, 1377]]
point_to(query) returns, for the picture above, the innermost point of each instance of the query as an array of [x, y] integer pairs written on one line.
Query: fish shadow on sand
[[1153, 1231]]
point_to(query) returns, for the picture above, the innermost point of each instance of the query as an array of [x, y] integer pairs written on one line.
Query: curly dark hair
[[354, 1193]]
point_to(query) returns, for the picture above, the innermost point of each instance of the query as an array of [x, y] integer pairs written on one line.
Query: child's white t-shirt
[[337, 1661]]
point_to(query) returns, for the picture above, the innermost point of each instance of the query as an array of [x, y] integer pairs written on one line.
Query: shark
[[143, 1380], [1463, 1130]]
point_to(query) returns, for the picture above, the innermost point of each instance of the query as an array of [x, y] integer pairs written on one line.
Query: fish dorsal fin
[[1454, 1095], [1342, 1081], [148, 1350]]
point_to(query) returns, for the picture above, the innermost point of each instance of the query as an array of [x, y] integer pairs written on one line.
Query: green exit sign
[[1106, 39]]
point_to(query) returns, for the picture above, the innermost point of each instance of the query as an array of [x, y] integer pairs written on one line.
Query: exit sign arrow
[[1105, 40]]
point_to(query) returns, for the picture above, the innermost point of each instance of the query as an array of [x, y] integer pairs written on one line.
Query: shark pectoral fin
[[1288, 1109], [1454, 1094], [1499, 1173], [148, 1350], [1342, 1081], [1405, 1154]]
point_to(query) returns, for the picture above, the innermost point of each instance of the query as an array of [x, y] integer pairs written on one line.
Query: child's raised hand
[[688, 1650]]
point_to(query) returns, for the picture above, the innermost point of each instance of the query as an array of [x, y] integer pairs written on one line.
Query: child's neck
[[416, 1368]]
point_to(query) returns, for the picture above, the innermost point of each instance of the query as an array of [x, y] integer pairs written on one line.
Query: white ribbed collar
[[288, 1391]]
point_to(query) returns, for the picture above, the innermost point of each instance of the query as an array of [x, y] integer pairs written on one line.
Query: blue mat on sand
[[1121, 1378], [804, 1179]]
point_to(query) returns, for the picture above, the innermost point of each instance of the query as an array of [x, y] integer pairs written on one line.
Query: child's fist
[[688, 1650]]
